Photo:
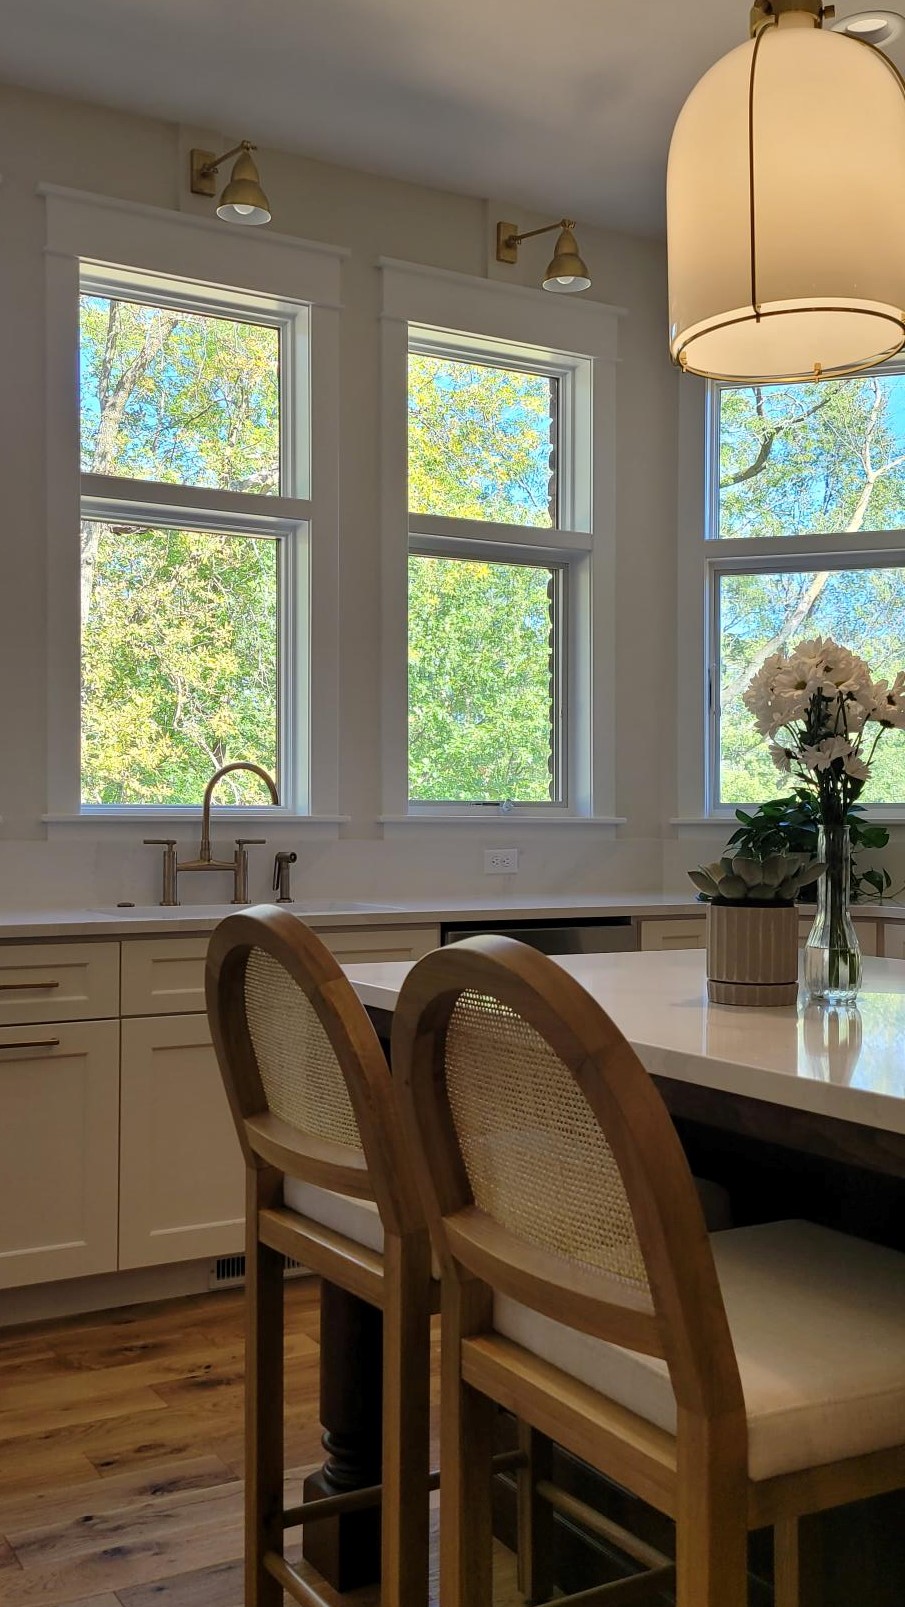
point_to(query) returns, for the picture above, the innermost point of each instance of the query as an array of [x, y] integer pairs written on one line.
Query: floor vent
[[229, 1270]]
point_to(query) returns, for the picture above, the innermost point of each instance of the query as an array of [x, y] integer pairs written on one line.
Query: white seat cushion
[[818, 1323], [357, 1219]]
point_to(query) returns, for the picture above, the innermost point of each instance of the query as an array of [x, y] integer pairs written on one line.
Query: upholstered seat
[[357, 1219], [818, 1324]]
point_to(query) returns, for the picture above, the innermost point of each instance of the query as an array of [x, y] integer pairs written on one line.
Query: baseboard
[[70, 1297]]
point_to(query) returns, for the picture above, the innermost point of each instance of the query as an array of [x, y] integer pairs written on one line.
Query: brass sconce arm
[[205, 166], [508, 239]]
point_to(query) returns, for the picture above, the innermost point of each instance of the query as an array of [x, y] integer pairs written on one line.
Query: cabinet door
[[182, 1176], [59, 1139], [684, 933], [894, 939], [358, 945]]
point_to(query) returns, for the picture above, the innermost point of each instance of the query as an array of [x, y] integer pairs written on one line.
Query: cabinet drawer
[[163, 976], [361, 944], [58, 982], [866, 930], [677, 934]]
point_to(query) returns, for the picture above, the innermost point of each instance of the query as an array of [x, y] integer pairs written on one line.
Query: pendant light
[[785, 192]]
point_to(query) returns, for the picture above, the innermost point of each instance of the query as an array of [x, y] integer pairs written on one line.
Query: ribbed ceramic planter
[[752, 954]]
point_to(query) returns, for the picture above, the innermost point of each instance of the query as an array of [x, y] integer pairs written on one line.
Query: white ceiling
[[561, 105]]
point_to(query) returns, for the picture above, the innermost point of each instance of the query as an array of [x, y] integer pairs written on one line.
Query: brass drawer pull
[[32, 1043], [10, 987]]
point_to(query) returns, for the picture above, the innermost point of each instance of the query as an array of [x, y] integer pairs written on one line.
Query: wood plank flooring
[[121, 1454]]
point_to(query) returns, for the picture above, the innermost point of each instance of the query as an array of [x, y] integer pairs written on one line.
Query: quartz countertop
[[153, 920], [846, 1063]]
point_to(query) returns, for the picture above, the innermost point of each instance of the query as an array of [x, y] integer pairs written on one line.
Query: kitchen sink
[[302, 907]]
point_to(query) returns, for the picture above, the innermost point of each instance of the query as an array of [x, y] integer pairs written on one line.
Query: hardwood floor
[[121, 1454]]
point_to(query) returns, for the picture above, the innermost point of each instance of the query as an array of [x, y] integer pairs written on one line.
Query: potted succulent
[[752, 926]]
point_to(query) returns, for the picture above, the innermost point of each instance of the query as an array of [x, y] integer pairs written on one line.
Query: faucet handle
[[159, 842], [245, 842]]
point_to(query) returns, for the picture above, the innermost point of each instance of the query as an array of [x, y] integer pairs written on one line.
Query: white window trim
[[701, 561], [140, 244], [460, 311]]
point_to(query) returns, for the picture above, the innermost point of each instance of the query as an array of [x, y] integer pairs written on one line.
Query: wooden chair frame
[[398, 1281], [699, 1477]]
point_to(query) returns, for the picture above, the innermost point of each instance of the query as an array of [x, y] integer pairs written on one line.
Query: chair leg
[[711, 1517], [535, 1517], [798, 1577], [466, 1452], [405, 1513], [263, 1396]]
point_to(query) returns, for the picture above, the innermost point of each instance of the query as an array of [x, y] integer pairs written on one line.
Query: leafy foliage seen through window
[[179, 626], [482, 721], [809, 459]]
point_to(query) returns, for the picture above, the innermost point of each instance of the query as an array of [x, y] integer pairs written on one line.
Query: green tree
[[482, 718], [813, 458], [179, 648]]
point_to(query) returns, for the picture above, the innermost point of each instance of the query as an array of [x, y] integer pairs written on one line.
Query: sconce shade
[[567, 272], [786, 222], [243, 200]]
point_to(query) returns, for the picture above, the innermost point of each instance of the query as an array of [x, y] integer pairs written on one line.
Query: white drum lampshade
[[786, 209]]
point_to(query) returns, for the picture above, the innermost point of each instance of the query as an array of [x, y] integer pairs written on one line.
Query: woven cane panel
[[302, 1079], [534, 1152]]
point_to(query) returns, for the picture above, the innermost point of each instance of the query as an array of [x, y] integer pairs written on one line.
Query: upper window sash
[[292, 323]]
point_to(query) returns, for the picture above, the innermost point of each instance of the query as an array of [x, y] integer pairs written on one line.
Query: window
[[486, 665], [181, 624], [804, 536], [192, 514]]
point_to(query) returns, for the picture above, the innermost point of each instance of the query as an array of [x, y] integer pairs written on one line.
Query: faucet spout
[[204, 852]]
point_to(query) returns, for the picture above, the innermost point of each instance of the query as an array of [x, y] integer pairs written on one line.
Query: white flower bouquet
[[824, 716]]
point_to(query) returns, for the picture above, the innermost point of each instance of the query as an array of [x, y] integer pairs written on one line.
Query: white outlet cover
[[500, 861]]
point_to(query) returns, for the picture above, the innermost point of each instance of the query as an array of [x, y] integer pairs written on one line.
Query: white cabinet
[[685, 932], [182, 1176], [59, 1142]]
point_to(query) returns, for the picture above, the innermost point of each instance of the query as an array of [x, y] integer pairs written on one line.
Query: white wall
[[91, 148]]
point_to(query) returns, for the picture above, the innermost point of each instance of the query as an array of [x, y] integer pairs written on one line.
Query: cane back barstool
[[329, 1185], [733, 1381]]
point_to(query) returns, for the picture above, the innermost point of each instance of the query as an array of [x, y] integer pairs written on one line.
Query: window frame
[[704, 558], [146, 254], [484, 322]]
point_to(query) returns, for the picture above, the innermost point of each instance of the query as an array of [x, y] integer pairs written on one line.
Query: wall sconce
[[243, 200], [566, 273]]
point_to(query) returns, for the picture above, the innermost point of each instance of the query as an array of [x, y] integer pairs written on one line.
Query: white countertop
[[152, 919], [790, 1057], [130, 920]]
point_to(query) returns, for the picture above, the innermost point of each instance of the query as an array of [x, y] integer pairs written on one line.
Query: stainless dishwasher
[[595, 935]]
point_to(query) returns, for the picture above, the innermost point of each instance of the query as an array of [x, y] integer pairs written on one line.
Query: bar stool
[[329, 1185], [733, 1382]]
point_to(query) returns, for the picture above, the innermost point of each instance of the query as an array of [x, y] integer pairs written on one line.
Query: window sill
[[225, 818], [491, 816], [882, 815]]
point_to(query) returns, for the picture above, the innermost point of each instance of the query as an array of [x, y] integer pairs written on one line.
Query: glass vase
[[832, 956]]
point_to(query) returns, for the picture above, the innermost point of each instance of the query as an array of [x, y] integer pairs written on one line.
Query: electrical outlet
[[500, 861]]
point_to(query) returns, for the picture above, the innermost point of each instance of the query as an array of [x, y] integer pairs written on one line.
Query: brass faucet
[[238, 864]]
